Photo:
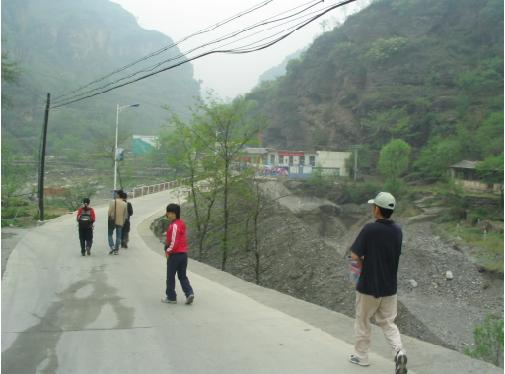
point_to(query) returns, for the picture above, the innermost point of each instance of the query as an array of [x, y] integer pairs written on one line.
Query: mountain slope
[[62, 45], [409, 69]]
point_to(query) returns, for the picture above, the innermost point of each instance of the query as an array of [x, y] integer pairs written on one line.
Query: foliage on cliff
[[427, 72]]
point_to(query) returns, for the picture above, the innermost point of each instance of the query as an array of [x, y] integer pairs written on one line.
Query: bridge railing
[[154, 188]]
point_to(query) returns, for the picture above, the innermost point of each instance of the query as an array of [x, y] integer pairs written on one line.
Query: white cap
[[384, 200]]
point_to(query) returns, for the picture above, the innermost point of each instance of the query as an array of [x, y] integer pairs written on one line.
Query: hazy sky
[[229, 74]]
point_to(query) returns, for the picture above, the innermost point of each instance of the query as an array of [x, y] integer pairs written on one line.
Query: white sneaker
[[112, 249], [165, 300], [357, 361], [401, 362]]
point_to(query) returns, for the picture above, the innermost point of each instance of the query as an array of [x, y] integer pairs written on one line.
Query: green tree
[[215, 138], [488, 339], [103, 150], [73, 197], [491, 169], [257, 201], [489, 136], [437, 156], [10, 74], [15, 174], [385, 126], [188, 155], [364, 157], [484, 78], [393, 161], [62, 145]]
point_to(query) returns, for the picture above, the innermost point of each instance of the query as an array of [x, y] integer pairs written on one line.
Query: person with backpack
[[85, 219], [125, 234]]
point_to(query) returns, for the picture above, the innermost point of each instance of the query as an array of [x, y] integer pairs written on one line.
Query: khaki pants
[[385, 310]]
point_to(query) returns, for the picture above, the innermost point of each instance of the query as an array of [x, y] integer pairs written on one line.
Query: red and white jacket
[[176, 237]]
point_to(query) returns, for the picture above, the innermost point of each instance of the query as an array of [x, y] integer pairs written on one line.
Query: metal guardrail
[[148, 190]]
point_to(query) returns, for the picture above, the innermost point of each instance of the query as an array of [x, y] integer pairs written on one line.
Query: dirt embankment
[[302, 246]]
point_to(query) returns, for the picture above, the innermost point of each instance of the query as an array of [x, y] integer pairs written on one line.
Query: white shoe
[[401, 362], [357, 361], [165, 300]]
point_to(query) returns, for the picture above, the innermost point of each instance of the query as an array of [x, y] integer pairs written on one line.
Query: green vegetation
[[488, 340], [384, 49], [393, 161], [206, 150], [60, 65], [441, 91], [10, 74], [491, 257]]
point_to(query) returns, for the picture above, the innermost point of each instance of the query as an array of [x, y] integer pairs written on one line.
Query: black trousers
[[85, 237], [125, 237]]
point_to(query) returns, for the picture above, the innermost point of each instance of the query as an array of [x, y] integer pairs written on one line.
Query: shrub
[[394, 186], [360, 194], [383, 49], [488, 339], [73, 198]]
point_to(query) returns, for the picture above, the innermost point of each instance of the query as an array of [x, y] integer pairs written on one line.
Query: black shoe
[[112, 249], [83, 253], [88, 250]]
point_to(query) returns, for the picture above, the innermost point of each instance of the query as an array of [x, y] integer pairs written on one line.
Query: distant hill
[[61, 45], [280, 70]]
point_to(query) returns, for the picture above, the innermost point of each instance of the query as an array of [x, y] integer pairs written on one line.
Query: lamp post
[[119, 109]]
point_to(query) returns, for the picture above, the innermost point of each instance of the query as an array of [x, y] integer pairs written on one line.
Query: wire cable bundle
[[275, 29]]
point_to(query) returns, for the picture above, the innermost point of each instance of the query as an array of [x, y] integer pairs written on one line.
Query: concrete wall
[[334, 160]]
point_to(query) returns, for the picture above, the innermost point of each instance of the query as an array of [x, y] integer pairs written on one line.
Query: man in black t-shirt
[[378, 248]]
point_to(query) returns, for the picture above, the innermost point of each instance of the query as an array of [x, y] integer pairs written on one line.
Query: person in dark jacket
[[86, 230], [378, 248], [176, 252], [125, 234]]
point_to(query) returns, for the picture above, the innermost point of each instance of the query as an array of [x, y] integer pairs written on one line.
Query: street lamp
[[119, 109]]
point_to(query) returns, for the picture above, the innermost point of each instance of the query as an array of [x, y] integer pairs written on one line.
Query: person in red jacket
[[176, 252], [85, 223]]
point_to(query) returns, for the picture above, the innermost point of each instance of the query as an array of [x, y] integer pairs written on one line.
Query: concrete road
[[64, 313]]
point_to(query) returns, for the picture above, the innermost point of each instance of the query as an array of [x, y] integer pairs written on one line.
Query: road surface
[[64, 313]]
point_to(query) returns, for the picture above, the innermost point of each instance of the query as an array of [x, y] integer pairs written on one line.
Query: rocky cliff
[[420, 60], [61, 45]]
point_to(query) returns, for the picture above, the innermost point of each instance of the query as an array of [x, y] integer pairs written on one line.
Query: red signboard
[[291, 154]]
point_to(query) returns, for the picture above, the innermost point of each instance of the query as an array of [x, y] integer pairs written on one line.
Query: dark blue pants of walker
[[177, 263]]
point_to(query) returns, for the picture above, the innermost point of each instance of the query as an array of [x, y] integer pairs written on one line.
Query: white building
[[301, 164], [333, 163]]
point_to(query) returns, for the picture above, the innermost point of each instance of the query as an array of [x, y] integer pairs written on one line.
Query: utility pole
[[355, 147], [42, 159]]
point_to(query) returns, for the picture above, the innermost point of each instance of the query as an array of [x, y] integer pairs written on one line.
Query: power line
[[86, 111], [180, 55], [240, 50], [210, 28]]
